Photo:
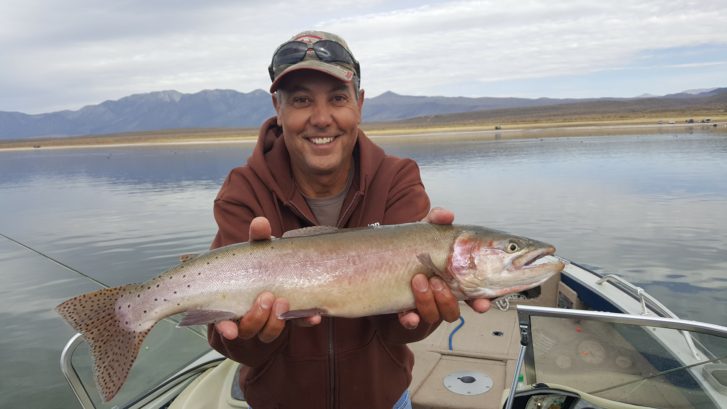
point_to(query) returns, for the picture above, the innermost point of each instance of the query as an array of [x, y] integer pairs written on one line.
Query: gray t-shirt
[[328, 209]]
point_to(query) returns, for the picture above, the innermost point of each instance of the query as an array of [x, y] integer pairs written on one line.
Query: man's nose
[[322, 114]]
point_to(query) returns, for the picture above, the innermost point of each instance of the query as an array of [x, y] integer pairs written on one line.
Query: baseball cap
[[314, 50]]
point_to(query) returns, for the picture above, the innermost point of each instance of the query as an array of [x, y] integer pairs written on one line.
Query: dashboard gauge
[[591, 352], [563, 361]]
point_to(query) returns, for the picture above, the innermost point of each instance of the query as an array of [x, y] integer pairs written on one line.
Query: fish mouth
[[537, 263], [527, 260], [529, 270]]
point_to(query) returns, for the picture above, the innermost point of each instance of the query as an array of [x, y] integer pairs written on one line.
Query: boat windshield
[[166, 351], [638, 360]]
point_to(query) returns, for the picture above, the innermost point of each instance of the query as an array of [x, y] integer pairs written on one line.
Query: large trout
[[343, 273]]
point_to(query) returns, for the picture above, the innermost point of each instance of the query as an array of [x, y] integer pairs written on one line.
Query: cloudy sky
[[66, 54]]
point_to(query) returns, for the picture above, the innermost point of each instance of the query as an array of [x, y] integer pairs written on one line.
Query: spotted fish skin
[[113, 346], [346, 273]]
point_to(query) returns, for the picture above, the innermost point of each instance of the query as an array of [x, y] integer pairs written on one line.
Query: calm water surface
[[651, 208]]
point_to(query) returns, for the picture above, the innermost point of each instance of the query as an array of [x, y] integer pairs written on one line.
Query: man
[[313, 166]]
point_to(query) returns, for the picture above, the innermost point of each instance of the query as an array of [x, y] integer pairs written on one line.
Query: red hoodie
[[341, 363]]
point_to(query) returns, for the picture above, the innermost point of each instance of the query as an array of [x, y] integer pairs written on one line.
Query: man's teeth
[[321, 141]]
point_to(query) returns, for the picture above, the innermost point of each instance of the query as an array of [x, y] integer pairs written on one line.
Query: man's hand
[[262, 318], [433, 298]]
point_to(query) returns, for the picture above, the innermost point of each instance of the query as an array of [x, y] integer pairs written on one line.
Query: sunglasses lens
[[331, 51], [290, 53]]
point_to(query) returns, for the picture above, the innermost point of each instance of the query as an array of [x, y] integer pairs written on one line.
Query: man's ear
[[360, 103], [276, 104]]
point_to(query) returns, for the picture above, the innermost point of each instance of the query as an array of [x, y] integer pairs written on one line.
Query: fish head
[[488, 263]]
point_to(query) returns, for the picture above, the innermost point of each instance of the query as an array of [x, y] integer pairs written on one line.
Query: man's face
[[319, 116]]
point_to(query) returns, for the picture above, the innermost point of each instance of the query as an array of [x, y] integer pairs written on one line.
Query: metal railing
[[638, 293], [84, 397], [527, 311], [645, 298], [70, 372]]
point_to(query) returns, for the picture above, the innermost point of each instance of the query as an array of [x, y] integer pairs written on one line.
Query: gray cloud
[[67, 54], [494, 41]]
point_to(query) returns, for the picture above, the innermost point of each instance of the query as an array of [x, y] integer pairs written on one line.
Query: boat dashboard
[[542, 396]]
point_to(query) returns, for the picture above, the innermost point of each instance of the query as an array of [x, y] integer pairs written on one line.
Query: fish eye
[[512, 247]]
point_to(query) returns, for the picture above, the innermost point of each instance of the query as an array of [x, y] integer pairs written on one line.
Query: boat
[[581, 340]]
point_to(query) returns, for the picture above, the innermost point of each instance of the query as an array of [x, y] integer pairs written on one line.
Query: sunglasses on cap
[[294, 52]]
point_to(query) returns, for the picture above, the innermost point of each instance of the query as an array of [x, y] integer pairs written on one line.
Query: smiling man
[[312, 165], [319, 116]]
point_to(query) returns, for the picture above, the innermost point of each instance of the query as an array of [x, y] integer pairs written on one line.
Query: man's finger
[[274, 326], [227, 329], [424, 299], [409, 319], [447, 303], [439, 215], [260, 229], [480, 304], [254, 320]]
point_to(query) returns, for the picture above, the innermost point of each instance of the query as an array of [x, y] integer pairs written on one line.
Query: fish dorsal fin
[[310, 231]]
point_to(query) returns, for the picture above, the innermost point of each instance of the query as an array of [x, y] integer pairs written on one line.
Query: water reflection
[[128, 166]]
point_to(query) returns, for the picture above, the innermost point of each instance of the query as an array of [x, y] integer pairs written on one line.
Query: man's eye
[[340, 99], [301, 100]]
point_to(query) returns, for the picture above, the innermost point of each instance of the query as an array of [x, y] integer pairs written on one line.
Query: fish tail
[[114, 347]]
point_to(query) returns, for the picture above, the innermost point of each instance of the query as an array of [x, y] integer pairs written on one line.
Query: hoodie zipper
[[331, 365], [344, 215], [331, 339], [299, 212], [331, 333]]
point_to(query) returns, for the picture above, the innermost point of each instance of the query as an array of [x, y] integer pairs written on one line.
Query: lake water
[[652, 208]]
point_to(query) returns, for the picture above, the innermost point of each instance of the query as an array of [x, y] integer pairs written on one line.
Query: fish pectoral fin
[[302, 313], [310, 231], [199, 317], [186, 257], [427, 261]]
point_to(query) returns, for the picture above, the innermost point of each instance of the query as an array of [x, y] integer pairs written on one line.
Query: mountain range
[[233, 109]]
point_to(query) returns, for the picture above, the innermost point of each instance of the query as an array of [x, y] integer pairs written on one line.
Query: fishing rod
[[60, 263]]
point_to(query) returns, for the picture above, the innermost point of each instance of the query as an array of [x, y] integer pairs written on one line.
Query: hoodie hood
[[271, 162]]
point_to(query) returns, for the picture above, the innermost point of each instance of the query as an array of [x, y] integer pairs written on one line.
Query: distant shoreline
[[376, 131], [554, 131]]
